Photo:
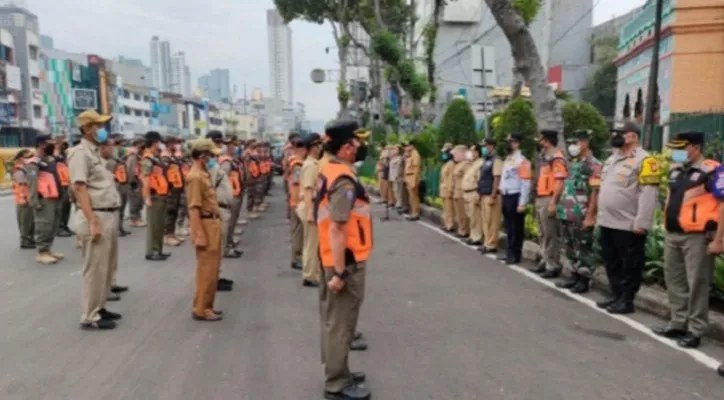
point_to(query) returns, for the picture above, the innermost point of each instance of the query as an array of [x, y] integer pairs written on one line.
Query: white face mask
[[161, 146], [574, 150], [358, 164], [469, 155]]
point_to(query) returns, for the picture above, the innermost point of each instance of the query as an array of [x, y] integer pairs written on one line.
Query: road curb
[[652, 299], [6, 192]]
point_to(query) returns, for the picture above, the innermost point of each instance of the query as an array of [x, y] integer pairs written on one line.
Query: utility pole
[[483, 58], [653, 77]]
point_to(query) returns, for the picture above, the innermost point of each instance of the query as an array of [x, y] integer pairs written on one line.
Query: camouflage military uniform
[[584, 177]]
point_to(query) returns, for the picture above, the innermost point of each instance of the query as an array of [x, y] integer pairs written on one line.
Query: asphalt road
[[442, 323]]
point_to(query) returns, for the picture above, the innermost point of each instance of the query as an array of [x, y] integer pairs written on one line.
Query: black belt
[[225, 207], [470, 190], [107, 209], [208, 216]]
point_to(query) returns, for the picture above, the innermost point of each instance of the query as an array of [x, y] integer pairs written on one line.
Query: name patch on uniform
[[349, 194]]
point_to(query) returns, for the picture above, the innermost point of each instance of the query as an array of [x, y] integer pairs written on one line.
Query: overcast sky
[[214, 34]]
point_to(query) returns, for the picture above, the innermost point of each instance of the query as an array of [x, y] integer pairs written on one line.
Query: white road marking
[[698, 355]]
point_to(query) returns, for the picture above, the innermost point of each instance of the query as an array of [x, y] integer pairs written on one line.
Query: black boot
[[622, 306], [605, 303], [569, 283], [721, 370], [581, 286]]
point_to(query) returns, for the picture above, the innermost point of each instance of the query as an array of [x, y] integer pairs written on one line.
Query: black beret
[[342, 131], [515, 136], [549, 135], [216, 136], [310, 140], [42, 139], [686, 138], [489, 142]]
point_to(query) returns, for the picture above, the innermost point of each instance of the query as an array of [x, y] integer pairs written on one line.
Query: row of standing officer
[[399, 171]]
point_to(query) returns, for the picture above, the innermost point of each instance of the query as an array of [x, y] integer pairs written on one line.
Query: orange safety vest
[[46, 185], [174, 176], [254, 168], [265, 167], [233, 176], [20, 190], [359, 226], [690, 205], [550, 171], [293, 198], [288, 167], [63, 173], [120, 173], [157, 180], [185, 170]]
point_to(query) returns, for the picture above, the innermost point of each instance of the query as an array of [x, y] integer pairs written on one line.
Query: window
[[35, 82], [146, 114], [137, 113], [136, 97], [37, 112], [146, 99], [33, 53]]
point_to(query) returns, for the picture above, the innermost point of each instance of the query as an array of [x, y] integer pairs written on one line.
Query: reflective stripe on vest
[[546, 184], [63, 173], [359, 225], [690, 205]]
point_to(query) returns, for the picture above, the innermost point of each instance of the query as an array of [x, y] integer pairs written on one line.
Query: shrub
[[585, 116], [426, 143], [518, 117], [458, 124]]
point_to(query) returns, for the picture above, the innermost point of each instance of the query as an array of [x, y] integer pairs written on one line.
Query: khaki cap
[[205, 144], [91, 116], [461, 147], [447, 146]]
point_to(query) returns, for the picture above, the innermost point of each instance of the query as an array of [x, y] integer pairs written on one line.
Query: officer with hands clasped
[[345, 243]]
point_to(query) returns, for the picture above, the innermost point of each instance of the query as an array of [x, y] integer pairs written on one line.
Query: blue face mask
[[445, 156], [484, 152], [211, 163], [679, 156], [102, 135]]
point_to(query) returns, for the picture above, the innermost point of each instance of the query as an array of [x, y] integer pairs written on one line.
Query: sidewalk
[[652, 299]]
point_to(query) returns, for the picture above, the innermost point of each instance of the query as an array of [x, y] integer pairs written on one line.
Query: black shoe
[[119, 289], [226, 281], [27, 246], [550, 274], [580, 287], [357, 336], [538, 269], [165, 255], [485, 250], [471, 242], [351, 392], [155, 257], [63, 233], [567, 284], [411, 218], [689, 341], [605, 303], [621, 307], [358, 345], [307, 283], [101, 324], [113, 297], [124, 232], [296, 265], [502, 257], [721, 370], [512, 261], [108, 315], [223, 287], [669, 331], [231, 254], [358, 377]]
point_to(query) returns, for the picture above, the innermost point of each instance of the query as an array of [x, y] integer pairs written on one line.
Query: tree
[[585, 116], [600, 90], [513, 18], [458, 124], [518, 117]]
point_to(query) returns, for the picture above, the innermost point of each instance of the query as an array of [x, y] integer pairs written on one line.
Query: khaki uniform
[[100, 256], [46, 209], [340, 312], [459, 198], [473, 208], [235, 203], [447, 187], [297, 230], [492, 206], [551, 169], [200, 194], [311, 268], [413, 169], [122, 187], [224, 197]]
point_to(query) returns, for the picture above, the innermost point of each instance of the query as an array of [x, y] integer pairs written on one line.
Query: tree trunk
[[343, 54], [413, 21], [528, 64]]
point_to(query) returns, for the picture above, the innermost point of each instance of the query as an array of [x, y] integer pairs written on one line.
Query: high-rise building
[[46, 42], [161, 64], [216, 85], [280, 59], [178, 83], [23, 26], [187, 81]]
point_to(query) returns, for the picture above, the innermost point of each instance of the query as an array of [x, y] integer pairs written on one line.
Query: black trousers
[[514, 226], [624, 256]]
